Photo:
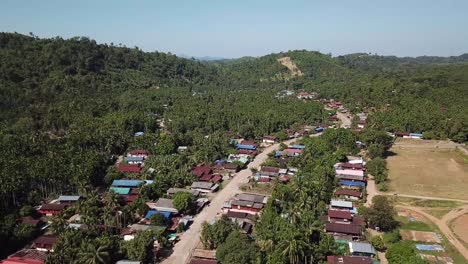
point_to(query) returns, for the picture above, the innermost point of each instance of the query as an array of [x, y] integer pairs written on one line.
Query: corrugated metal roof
[[338, 203], [361, 247], [120, 190], [351, 183], [127, 183], [69, 198]]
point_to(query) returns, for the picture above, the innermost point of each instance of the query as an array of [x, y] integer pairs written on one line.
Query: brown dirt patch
[[288, 63], [408, 213], [428, 237], [435, 172], [460, 227]]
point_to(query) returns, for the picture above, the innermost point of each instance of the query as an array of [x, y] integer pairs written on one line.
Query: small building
[[134, 160], [352, 184], [68, 199], [297, 146], [204, 187], [341, 205], [348, 260], [348, 194], [269, 171], [247, 147], [165, 205], [356, 175], [129, 168], [247, 203], [172, 191], [44, 242], [335, 216], [361, 249], [125, 261], [31, 221], [201, 171], [182, 149], [269, 139], [416, 135], [26, 256], [138, 153], [247, 152], [120, 190], [127, 183], [344, 231], [292, 152], [52, 209]]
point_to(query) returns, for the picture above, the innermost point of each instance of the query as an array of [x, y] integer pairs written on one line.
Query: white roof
[[361, 247], [338, 203], [357, 161], [350, 172]]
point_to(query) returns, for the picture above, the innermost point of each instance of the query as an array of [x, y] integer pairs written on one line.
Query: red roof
[[248, 142], [26, 256], [269, 137], [216, 178], [129, 168], [45, 241], [348, 260], [264, 179], [350, 229], [206, 177], [402, 134], [139, 152], [349, 193], [130, 198], [53, 207], [357, 166], [339, 214], [199, 171]]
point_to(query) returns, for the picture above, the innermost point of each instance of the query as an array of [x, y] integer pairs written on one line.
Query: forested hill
[[37, 73], [366, 62]]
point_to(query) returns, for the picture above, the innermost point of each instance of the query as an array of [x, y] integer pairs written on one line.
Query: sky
[[236, 28]]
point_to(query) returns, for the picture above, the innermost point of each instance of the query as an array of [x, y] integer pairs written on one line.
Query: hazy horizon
[[238, 29]]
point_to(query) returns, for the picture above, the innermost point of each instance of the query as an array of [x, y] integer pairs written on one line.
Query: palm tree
[[91, 254], [293, 248]]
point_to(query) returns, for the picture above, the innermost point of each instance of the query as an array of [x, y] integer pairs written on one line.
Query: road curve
[[442, 224], [190, 239]]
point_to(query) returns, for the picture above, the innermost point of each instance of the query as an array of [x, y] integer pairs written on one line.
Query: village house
[[291, 152], [52, 209], [44, 242], [305, 96], [68, 199], [138, 153], [348, 194], [202, 171], [246, 203], [344, 231], [337, 216], [204, 187], [203, 256], [249, 152], [172, 191], [348, 260], [269, 139], [129, 168], [32, 222], [163, 205], [354, 175], [26, 256], [182, 149], [134, 160], [356, 185], [341, 205], [244, 220], [361, 249]]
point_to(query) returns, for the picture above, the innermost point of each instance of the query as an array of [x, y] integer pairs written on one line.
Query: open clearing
[[460, 227], [428, 168], [428, 237]]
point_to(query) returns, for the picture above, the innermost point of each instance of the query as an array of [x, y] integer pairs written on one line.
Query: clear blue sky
[[234, 28]]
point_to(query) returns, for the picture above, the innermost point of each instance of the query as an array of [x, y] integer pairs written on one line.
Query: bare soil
[[288, 63], [460, 227], [428, 168]]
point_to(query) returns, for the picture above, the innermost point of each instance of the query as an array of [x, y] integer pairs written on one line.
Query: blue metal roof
[[318, 129], [297, 147], [127, 183], [153, 212], [351, 183], [415, 135], [249, 147]]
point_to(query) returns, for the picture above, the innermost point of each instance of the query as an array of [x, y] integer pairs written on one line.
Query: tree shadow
[[389, 153]]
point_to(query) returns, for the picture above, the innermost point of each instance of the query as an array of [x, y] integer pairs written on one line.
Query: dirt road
[[442, 224], [189, 239], [345, 121]]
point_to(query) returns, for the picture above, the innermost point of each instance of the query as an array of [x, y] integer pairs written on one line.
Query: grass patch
[[439, 212], [417, 226], [436, 203]]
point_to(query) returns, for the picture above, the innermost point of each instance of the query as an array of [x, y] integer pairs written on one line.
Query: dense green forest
[[70, 106]]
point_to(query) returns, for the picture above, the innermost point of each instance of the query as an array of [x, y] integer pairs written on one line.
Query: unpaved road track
[[190, 239], [442, 224], [345, 121]]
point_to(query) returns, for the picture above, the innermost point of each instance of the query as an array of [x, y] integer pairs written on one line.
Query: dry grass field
[[460, 228], [433, 170]]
